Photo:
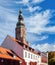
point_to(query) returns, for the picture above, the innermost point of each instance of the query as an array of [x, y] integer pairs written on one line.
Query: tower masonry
[[20, 31]]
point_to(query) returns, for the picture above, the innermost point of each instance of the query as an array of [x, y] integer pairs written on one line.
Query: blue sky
[[39, 18]]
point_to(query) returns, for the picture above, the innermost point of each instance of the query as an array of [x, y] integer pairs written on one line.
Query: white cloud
[[8, 19], [44, 47], [50, 29], [32, 9], [37, 23], [18, 2], [41, 38], [25, 2], [7, 22], [7, 14], [6, 3], [37, 1], [37, 38]]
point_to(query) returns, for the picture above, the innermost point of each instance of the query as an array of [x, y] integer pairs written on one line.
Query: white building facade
[[31, 57]]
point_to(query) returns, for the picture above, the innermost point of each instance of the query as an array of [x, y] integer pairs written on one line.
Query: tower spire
[[20, 15], [20, 18], [20, 28]]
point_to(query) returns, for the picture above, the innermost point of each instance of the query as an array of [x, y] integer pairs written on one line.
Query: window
[[14, 56], [38, 61], [31, 56], [36, 57], [25, 54], [28, 55]]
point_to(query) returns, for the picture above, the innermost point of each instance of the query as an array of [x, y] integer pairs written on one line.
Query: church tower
[[20, 28]]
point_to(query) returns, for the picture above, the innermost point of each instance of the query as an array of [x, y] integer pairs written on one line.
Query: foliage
[[51, 58]]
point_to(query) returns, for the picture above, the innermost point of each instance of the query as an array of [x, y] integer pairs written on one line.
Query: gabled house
[[8, 57]]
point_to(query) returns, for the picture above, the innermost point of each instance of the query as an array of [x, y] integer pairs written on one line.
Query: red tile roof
[[19, 42], [5, 53]]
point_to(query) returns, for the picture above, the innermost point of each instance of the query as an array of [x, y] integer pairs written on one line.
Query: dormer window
[[14, 56]]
